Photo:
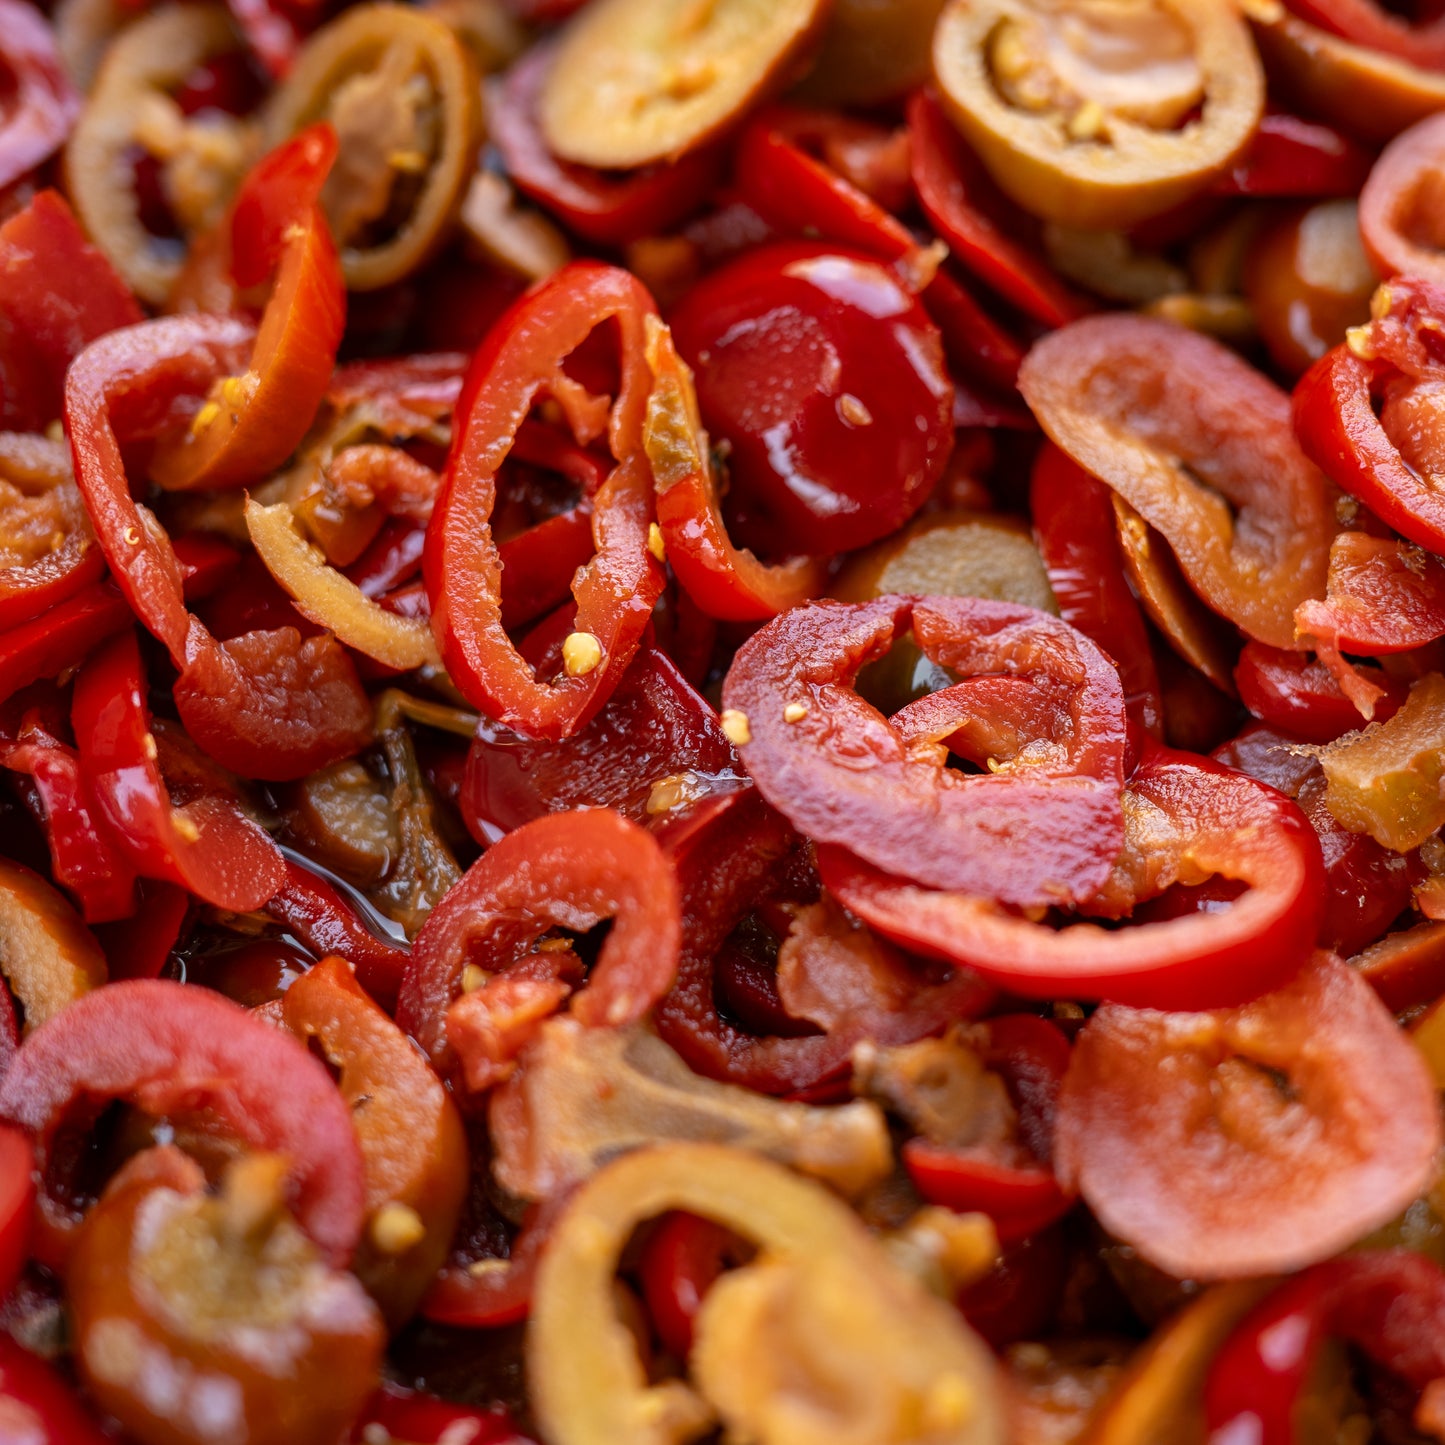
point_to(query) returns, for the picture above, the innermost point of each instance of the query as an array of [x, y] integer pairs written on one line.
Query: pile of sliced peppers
[[722, 721]]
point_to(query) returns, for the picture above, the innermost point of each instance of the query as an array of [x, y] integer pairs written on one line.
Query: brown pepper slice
[[1099, 113], [637, 81]]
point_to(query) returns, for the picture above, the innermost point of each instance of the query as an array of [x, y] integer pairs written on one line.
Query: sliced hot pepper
[[47, 955], [962, 202], [266, 704], [1170, 420], [412, 1143], [57, 294], [206, 845], [1366, 23], [43, 104], [85, 856], [1300, 696], [606, 207], [1292, 1126], [1290, 156], [567, 869], [422, 1419], [250, 423], [1389, 1303], [654, 752], [1382, 596], [256, 1331], [17, 1200], [175, 1048], [140, 947], [1099, 130], [61, 637], [521, 361], [1075, 528], [724, 580], [1044, 831], [1383, 455], [1020, 1195], [801, 196], [1188, 818], [1397, 211]]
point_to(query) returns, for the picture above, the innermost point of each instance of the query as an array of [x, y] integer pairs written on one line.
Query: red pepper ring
[[207, 846], [1046, 832], [569, 869], [174, 1048], [1340, 428], [1390, 1303], [38, 1405], [1215, 820], [725, 581], [266, 704], [254, 421], [43, 107], [521, 361]]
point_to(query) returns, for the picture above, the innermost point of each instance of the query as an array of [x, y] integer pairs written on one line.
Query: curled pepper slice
[[206, 845], [171, 1048], [412, 1143], [1390, 1303], [822, 1290], [249, 424], [1186, 820], [265, 704], [567, 869], [604, 207], [521, 361], [1041, 831], [57, 294], [1096, 115], [1294, 1125], [1189, 435], [726, 581], [1367, 411]]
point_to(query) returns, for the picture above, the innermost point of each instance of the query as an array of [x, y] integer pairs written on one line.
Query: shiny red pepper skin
[[1297, 695], [962, 203], [522, 359], [609, 209], [683, 1257], [61, 637], [170, 1047], [140, 946], [800, 196], [1290, 156], [1076, 534], [421, 1419], [209, 847], [86, 858], [1389, 1303]]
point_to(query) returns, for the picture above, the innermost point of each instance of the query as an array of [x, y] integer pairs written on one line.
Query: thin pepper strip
[[207, 845], [521, 361], [174, 1048], [265, 704], [44, 104]]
